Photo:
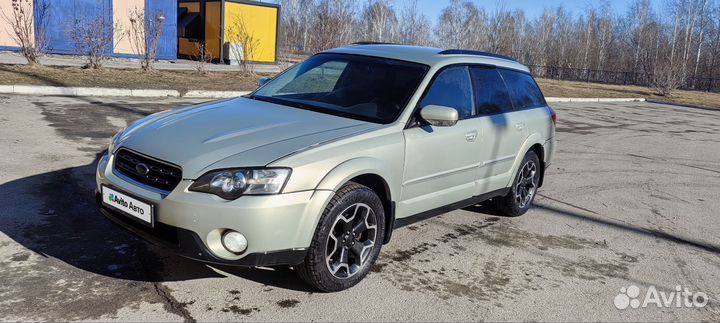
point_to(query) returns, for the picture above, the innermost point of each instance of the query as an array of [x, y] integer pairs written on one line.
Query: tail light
[[553, 116]]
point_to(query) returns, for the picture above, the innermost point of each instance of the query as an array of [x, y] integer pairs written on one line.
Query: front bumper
[[279, 228]]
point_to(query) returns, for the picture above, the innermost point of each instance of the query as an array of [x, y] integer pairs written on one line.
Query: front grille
[[162, 175]]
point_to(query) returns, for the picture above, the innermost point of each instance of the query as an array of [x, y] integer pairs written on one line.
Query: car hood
[[239, 132]]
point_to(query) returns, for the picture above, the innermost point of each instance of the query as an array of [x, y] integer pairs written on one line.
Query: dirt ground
[[235, 81], [555, 88], [120, 78]]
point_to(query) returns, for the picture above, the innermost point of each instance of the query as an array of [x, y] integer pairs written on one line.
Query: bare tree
[[462, 25], [95, 39], [202, 58], [564, 46], [296, 20], [689, 27], [145, 32], [588, 33], [415, 28], [703, 16], [29, 23], [605, 34], [667, 79], [715, 45], [520, 30], [243, 44], [499, 29], [638, 17], [379, 22], [284, 60], [333, 24]]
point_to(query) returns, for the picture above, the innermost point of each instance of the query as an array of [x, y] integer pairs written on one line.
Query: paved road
[[632, 199]]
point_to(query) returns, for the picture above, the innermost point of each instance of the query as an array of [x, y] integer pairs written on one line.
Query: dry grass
[[235, 81], [134, 79], [554, 88]]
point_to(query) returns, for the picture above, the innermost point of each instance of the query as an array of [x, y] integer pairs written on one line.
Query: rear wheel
[[522, 192], [347, 240]]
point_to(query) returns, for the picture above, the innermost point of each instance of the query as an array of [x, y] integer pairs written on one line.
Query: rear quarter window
[[524, 91], [491, 94]]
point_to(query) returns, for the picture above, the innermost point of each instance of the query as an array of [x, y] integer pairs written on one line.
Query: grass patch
[[555, 88], [126, 78]]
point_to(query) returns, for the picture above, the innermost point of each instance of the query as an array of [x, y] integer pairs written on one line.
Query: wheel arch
[[369, 172], [540, 152], [533, 143]]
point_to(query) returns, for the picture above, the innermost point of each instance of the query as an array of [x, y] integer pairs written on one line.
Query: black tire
[[510, 204], [315, 269]]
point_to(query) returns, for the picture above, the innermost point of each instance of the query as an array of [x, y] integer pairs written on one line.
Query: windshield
[[358, 87]]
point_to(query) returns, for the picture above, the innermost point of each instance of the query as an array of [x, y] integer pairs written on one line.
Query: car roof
[[430, 56]]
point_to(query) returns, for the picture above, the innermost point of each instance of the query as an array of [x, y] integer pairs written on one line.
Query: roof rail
[[372, 43], [474, 52]]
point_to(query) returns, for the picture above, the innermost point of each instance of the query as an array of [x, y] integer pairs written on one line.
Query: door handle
[[471, 136], [520, 126]]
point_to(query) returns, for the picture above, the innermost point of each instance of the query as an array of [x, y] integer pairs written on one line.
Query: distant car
[[316, 167]]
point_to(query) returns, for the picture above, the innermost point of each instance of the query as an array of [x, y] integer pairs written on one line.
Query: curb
[[595, 100], [683, 105], [213, 94], [114, 92]]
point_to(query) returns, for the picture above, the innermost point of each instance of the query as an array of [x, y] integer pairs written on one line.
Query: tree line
[[676, 45]]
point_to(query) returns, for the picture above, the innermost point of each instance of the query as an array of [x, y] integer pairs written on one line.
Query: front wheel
[[347, 240], [523, 189]]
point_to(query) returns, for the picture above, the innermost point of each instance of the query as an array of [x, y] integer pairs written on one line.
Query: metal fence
[[618, 77]]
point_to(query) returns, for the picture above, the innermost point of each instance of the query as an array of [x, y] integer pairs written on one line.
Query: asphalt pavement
[[629, 207]]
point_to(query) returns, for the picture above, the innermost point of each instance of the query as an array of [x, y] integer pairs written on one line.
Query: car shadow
[[485, 208], [54, 215]]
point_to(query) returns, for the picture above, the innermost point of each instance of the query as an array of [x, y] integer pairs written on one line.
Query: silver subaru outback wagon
[[316, 167]]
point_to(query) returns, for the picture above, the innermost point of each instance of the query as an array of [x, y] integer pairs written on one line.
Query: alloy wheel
[[351, 240], [526, 184]]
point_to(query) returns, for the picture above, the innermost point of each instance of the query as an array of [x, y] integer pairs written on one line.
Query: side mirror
[[263, 80], [438, 115]]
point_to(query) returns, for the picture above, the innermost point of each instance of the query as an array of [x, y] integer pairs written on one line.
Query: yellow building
[[230, 29]]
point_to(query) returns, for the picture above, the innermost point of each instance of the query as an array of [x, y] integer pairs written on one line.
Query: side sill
[[399, 223]]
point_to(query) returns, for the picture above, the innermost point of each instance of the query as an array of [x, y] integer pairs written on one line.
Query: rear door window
[[451, 88], [524, 92], [491, 95]]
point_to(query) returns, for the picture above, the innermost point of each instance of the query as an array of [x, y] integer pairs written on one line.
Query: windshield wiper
[[289, 103]]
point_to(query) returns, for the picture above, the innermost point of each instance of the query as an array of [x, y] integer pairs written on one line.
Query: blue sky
[[532, 8]]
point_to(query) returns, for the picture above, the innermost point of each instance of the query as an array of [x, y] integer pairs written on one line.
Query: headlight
[[233, 183], [114, 141]]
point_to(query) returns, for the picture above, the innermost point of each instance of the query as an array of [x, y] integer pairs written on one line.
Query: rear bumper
[[549, 154], [549, 149]]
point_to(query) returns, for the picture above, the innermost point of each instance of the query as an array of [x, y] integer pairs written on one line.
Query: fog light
[[234, 241]]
